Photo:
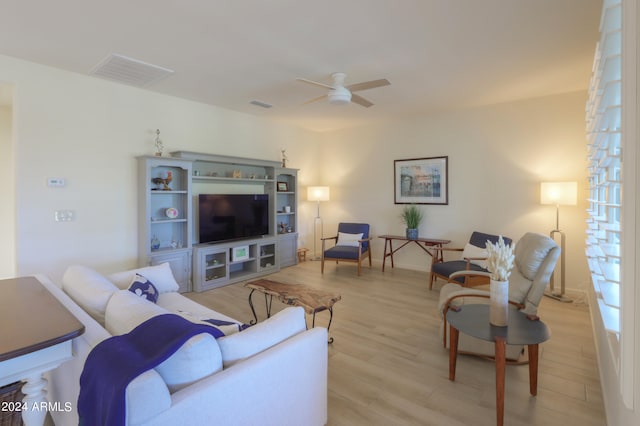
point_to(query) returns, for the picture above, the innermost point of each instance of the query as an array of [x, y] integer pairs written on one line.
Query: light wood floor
[[387, 365]]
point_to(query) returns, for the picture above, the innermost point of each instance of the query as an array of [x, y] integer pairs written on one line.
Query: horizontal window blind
[[603, 118]]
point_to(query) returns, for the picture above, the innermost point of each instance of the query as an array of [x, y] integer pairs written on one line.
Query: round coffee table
[[474, 321]]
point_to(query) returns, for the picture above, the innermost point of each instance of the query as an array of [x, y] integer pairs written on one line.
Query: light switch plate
[[55, 182], [65, 215]]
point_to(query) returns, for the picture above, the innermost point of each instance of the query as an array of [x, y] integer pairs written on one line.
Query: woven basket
[[10, 394]]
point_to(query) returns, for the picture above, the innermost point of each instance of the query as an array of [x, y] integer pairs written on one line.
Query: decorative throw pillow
[[471, 251], [160, 275], [348, 240], [144, 288]]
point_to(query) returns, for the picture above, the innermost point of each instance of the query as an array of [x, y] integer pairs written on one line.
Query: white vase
[[499, 303]]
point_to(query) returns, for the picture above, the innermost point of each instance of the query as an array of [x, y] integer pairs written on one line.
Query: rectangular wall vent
[[129, 71], [260, 104]]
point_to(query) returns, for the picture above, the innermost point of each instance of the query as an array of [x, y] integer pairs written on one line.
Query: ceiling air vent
[[260, 104], [129, 71]]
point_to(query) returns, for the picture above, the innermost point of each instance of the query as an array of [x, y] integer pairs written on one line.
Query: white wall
[[498, 156], [7, 206], [89, 132]]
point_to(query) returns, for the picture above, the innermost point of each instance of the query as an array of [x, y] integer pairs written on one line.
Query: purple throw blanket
[[116, 361]]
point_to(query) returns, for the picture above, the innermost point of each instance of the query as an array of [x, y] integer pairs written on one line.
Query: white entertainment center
[[168, 219]]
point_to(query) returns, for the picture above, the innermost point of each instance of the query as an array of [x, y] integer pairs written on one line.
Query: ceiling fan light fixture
[[339, 96]]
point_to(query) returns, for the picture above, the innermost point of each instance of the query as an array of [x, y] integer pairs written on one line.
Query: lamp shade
[[318, 193], [559, 193]]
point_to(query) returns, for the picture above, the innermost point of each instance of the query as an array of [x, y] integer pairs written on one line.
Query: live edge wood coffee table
[[313, 301]]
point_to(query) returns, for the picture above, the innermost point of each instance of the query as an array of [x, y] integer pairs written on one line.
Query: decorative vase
[[155, 243], [412, 233], [499, 303]]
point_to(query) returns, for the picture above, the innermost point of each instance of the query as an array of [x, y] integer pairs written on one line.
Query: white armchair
[[535, 259]]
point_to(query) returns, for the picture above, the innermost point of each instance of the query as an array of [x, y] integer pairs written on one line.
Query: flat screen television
[[225, 217]]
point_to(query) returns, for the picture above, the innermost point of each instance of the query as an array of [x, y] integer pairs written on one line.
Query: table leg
[[268, 299], [391, 252], [253, 310], [34, 398], [501, 349], [384, 256], [453, 351], [313, 322], [533, 369]]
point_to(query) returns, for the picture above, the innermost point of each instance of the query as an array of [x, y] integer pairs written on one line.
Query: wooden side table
[[474, 321], [423, 243], [35, 337], [302, 254]]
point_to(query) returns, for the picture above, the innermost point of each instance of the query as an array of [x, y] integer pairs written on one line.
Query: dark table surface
[[474, 321]]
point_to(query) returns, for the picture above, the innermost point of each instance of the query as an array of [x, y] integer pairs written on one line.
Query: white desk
[[35, 337]]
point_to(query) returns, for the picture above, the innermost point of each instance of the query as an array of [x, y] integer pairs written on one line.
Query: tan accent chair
[[535, 259]]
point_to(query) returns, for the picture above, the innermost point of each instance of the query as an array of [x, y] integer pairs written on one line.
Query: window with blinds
[[605, 161]]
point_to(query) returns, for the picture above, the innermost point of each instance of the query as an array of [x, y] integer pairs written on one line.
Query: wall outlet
[[65, 215]]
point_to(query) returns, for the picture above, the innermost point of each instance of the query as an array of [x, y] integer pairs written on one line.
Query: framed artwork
[[421, 181], [239, 253], [283, 186]]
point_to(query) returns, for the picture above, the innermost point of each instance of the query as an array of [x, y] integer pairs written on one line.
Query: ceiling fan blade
[[315, 83], [360, 100], [319, 98], [368, 85]]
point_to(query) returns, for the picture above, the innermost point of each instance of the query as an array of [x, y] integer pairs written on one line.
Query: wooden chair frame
[[469, 281], [361, 254]]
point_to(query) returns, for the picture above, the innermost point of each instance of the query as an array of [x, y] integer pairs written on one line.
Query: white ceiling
[[438, 54]]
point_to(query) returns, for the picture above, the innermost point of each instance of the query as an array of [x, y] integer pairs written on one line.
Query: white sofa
[[273, 373]]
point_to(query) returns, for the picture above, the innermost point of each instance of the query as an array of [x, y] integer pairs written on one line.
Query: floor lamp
[[565, 194], [317, 193]]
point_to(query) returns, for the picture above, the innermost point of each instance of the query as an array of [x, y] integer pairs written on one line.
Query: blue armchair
[[473, 259], [352, 244]]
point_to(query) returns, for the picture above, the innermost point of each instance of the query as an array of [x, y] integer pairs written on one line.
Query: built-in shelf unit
[[165, 215], [213, 264]]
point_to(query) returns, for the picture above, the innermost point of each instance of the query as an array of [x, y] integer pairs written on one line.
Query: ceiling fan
[[339, 94]]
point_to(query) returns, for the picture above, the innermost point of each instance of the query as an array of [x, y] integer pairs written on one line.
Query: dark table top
[[422, 240], [32, 318], [474, 321]]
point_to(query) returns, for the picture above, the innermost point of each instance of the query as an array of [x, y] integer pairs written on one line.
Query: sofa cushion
[[160, 275], [194, 312], [144, 288], [89, 289], [262, 336], [342, 252], [179, 304], [199, 357], [146, 396]]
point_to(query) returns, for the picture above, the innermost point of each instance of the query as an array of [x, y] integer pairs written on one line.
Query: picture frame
[[421, 180], [239, 253], [283, 187]]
